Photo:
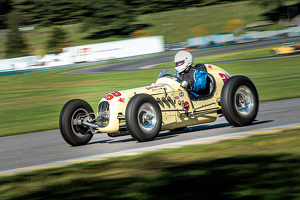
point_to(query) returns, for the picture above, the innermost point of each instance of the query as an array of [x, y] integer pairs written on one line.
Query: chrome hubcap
[[78, 116], [244, 100], [147, 117]]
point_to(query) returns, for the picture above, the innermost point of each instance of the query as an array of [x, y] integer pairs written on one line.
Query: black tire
[[239, 101], [143, 117], [75, 134]]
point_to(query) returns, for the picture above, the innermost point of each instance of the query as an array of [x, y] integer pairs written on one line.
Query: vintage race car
[[164, 105]]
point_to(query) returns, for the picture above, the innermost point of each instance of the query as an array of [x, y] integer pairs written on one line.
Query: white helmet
[[182, 60]]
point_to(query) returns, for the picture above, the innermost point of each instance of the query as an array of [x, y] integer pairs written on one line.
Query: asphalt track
[[46, 149]]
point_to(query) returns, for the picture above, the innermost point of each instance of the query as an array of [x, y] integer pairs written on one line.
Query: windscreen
[[170, 73]]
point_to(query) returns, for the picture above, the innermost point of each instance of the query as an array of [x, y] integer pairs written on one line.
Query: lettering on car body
[[155, 87]]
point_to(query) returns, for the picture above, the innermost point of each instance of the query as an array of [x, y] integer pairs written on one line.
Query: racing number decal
[[225, 77], [116, 94], [111, 95]]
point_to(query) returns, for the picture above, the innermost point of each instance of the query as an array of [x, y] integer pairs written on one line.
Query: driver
[[194, 75]]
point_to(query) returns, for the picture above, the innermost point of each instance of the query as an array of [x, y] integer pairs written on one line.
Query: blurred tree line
[[113, 17], [107, 14]]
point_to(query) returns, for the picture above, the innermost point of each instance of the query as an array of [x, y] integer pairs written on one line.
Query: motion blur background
[[45, 33]]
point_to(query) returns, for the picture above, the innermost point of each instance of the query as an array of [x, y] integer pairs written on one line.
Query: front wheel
[[71, 116], [143, 117], [239, 101]]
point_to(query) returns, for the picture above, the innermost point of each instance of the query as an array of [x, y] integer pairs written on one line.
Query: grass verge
[[224, 170]]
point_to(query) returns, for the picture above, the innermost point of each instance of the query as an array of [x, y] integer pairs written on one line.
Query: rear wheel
[[71, 116], [239, 101], [143, 117]]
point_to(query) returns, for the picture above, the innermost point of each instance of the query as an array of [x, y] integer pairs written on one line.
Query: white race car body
[[164, 105], [173, 99]]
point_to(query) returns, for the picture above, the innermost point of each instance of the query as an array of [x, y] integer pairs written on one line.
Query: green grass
[[178, 26], [238, 55], [260, 167], [38, 97]]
